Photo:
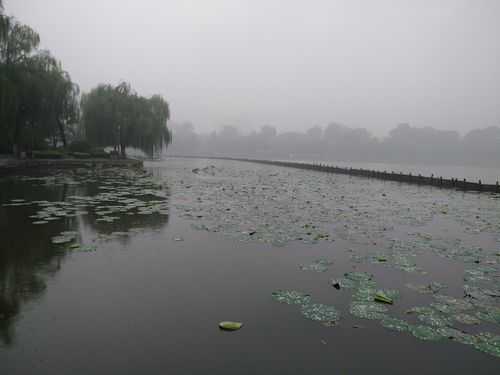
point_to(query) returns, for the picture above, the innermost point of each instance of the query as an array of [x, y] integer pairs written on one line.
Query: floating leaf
[[320, 265], [425, 333], [420, 310], [358, 276], [489, 314], [433, 287], [368, 310], [487, 343], [381, 296], [62, 239], [230, 326], [328, 315], [88, 248], [456, 335], [466, 319], [395, 324], [343, 283], [291, 297], [434, 319]]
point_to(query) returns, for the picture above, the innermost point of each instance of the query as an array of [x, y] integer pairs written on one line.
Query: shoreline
[[12, 166]]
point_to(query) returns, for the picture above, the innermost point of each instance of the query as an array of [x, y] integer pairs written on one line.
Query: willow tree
[[150, 132], [118, 117], [38, 100], [159, 134], [3, 22], [63, 107], [98, 116], [17, 45]]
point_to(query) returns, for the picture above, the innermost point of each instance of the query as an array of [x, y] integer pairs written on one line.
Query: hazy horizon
[[289, 64]]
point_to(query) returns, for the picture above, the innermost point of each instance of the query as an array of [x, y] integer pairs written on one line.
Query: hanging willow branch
[[120, 118]]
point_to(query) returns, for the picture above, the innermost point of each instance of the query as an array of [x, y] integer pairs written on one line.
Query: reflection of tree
[[27, 256], [18, 284], [127, 220]]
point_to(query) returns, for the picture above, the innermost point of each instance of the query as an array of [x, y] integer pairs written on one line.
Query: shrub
[[80, 146], [48, 154], [80, 155], [99, 153]]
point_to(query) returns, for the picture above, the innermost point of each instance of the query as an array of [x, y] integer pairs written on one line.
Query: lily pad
[[88, 248], [420, 310], [434, 319], [433, 287], [456, 335], [381, 296], [328, 315], [358, 276], [466, 319], [230, 326], [395, 324], [487, 343], [62, 239], [320, 265], [343, 283], [368, 310], [489, 314], [425, 333], [291, 297]]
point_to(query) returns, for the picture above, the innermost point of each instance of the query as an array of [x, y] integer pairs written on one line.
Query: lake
[[487, 174], [116, 271]]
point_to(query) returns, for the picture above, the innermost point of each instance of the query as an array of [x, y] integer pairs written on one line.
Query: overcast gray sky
[[291, 64]]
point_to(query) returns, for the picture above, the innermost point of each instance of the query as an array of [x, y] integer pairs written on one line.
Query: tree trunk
[[122, 150], [16, 148], [61, 132]]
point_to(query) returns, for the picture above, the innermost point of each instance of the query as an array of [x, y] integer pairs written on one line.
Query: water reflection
[[28, 258]]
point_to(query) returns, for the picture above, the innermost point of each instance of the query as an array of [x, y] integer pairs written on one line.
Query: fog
[[289, 64], [336, 142]]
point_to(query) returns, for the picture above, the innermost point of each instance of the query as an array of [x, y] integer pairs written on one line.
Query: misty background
[[292, 64], [336, 142]]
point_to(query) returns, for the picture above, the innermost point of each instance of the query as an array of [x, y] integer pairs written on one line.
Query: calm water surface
[[488, 175], [145, 291]]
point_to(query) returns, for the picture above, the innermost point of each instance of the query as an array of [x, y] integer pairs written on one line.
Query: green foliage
[[118, 117], [230, 326], [84, 150], [39, 104], [48, 154], [79, 146], [38, 100], [99, 153]]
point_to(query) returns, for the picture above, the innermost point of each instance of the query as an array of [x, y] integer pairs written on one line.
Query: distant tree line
[[41, 107], [335, 142]]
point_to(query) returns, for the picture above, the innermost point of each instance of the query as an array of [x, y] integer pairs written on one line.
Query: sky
[[290, 64]]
